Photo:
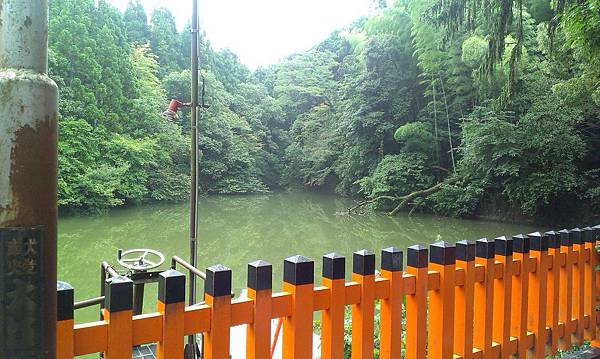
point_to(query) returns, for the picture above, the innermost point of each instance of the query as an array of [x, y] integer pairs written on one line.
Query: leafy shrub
[[533, 161], [396, 175], [457, 200], [416, 136]]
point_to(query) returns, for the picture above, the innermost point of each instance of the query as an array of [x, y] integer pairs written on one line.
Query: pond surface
[[235, 230]]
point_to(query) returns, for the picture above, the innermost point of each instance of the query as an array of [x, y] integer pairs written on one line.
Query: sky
[[261, 32]]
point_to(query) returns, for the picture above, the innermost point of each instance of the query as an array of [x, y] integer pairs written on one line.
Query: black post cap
[[218, 281], [442, 253], [485, 248], [538, 241], [391, 259], [588, 234], [521, 244], [298, 270], [553, 239], [260, 275], [417, 256], [334, 266], [465, 251], [575, 234], [171, 287], [363, 262], [118, 294], [504, 246], [65, 297], [565, 238]]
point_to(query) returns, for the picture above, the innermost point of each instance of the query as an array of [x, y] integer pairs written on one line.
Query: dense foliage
[[117, 73], [472, 111]]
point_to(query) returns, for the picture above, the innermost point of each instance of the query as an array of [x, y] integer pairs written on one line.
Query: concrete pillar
[[28, 165]]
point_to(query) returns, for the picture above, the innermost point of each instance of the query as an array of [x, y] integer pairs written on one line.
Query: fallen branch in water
[[406, 199], [365, 202], [417, 205]]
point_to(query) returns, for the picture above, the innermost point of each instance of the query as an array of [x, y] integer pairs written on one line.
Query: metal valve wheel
[[135, 259]]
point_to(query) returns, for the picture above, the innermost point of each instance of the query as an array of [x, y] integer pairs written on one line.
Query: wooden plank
[[502, 295], [484, 294], [363, 313], [416, 303], [464, 300]]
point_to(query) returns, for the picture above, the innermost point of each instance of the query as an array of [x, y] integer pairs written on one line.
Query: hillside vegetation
[[469, 106]]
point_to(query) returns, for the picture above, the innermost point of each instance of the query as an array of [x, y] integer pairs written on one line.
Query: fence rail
[[528, 295]]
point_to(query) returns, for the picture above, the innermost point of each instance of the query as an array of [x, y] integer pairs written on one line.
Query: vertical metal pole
[[102, 289], [194, 163], [28, 153], [138, 298]]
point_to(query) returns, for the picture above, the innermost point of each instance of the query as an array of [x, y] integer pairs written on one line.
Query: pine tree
[[136, 22]]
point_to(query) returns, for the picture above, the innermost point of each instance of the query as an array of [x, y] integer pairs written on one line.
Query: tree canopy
[[447, 106]]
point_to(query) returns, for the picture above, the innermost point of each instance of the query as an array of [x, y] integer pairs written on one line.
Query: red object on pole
[[174, 105]]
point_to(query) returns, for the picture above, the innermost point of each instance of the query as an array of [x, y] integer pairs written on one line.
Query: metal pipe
[[109, 269], [194, 162], [193, 270], [28, 143], [88, 302], [194, 157], [102, 288]]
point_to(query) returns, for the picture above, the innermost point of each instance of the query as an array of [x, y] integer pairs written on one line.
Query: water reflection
[[235, 230]]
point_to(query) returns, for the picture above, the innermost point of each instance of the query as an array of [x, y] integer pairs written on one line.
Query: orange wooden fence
[[526, 295]]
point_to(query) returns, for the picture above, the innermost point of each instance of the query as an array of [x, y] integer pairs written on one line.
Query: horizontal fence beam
[[549, 315]]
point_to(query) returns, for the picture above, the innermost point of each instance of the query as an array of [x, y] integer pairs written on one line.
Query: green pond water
[[235, 230]]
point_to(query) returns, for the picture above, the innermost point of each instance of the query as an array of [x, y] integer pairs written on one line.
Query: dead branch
[[406, 199], [417, 205], [422, 193], [365, 202]]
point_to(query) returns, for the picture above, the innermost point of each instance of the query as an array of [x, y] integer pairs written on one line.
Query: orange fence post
[[363, 313], [171, 304], [590, 282], [502, 295], [464, 297], [538, 282], [390, 333], [118, 304], [578, 284], [520, 295], [65, 346], [260, 288], [442, 258], [565, 305], [416, 304], [332, 319], [553, 289], [217, 294], [484, 297], [596, 294], [298, 280]]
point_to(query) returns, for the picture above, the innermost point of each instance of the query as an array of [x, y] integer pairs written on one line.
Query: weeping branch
[[454, 15]]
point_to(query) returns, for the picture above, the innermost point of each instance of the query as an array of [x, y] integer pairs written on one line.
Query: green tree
[[164, 41], [136, 22]]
